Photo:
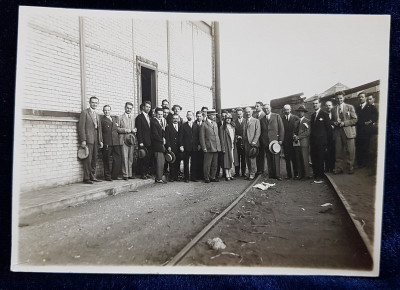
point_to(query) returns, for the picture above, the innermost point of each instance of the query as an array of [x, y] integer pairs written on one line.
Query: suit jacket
[[349, 119], [143, 130], [170, 117], [262, 115], [320, 128], [110, 131], [209, 138], [271, 130], [253, 129], [303, 132], [290, 129], [86, 127], [368, 114], [172, 137], [123, 127], [239, 127], [157, 134], [189, 137]]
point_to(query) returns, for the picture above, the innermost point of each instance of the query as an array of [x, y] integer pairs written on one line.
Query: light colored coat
[[304, 132], [124, 126], [349, 119], [253, 129], [209, 138], [86, 127]]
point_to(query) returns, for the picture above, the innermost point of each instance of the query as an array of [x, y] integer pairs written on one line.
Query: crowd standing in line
[[337, 139]]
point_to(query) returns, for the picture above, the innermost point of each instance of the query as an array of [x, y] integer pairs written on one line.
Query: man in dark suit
[[189, 145], [301, 143], [172, 139], [366, 115], [290, 122], [272, 130], [221, 121], [157, 143], [198, 155], [111, 144], [330, 150], [260, 160], [211, 145], [320, 126], [204, 111], [142, 124], [90, 135], [239, 142]]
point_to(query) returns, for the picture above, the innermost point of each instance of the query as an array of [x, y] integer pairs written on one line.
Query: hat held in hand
[[83, 152]]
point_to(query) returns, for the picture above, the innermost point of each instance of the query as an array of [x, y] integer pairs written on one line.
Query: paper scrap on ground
[[318, 181], [216, 244], [326, 204], [264, 185]]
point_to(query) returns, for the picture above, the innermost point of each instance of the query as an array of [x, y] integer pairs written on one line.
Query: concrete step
[[56, 198]]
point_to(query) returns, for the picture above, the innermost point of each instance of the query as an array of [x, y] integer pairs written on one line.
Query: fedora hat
[[142, 152], [129, 139], [274, 147], [83, 152], [301, 108], [253, 152], [170, 157]]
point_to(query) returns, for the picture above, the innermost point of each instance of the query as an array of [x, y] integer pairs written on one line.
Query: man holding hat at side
[[301, 144], [251, 135], [126, 130], [157, 143], [272, 134], [211, 145], [90, 135]]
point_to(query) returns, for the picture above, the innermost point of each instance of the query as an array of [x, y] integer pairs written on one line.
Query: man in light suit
[[127, 126], [90, 135], [259, 114], [251, 136], [344, 120], [112, 145], [319, 134], [211, 145], [272, 129], [302, 144]]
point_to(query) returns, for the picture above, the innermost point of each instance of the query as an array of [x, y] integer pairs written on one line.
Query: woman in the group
[[228, 146]]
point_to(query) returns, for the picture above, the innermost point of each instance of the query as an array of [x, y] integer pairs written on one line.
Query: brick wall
[[52, 81]]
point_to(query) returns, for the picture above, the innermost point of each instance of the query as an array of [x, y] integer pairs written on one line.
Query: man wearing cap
[[125, 130], [177, 111], [302, 142], [344, 134], [189, 145], [251, 135], [259, 114], [172, 144], [239, 143], [111, 144], [142, 124], [330, 149], [157, 143], [90, 135], [272, 130], [320, 127], [211, 145], [290, 122]]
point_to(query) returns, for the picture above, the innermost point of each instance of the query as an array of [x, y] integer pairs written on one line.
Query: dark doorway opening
[[148, 85]]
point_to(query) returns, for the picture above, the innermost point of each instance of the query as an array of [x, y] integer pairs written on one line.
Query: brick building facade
[[68, 59]]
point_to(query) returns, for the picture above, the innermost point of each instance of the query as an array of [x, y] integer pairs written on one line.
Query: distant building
[[68, 59]]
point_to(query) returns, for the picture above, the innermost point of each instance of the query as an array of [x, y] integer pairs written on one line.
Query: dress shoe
[[126, 178], [246, 178], [193, 179], [95, 180], [108, 179], [143, 177], [214, 180], [279, 178], [131, 177], [118, 178], [232, 178], [88, 182], [337, 171], [149, 176], [160, 181], [207, 181], [227, 179], [170, 180]]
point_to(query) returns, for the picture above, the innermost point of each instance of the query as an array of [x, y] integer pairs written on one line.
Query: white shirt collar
[[127, 115], [209, 120], [317, 111], [91, 110], [301, 119], [363, 105]]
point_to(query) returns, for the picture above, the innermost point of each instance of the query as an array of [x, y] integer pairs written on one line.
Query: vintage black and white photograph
[[199, 143]]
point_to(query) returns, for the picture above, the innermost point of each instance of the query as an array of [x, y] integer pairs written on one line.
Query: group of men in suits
[[329, 138]]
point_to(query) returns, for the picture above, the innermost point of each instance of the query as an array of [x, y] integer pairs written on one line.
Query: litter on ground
[[264, 185], [216, 244]]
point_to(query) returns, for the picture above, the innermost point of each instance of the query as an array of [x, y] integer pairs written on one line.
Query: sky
[[264, 57]]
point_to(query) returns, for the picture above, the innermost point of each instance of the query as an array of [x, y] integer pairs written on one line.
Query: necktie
[[176, 127], [95, 119]]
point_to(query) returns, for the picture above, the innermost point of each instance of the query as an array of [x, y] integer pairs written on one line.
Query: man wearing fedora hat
[[126, 130], [211, 145], [157, 143], [251, 135], [90, 135], [272, 130], [112, 145], [176, 109], [302, 140]]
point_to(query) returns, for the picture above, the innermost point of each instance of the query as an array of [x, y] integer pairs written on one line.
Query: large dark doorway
[[148, 85]]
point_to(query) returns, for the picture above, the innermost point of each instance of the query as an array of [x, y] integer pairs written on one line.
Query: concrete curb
[[96, 193], [353, 216]]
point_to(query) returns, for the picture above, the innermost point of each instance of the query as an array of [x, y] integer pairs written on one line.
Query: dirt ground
[[285, 226]]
